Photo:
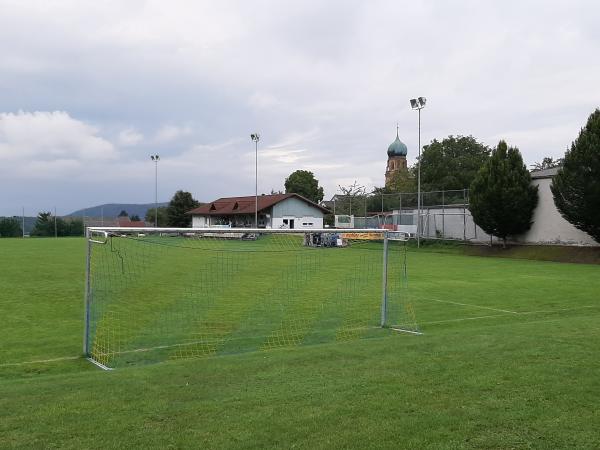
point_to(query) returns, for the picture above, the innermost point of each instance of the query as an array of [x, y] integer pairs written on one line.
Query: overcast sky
[[88, 90]]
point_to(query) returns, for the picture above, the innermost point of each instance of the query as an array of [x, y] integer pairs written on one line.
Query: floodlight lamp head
[[422, 101], [255, 137], [413, 103]]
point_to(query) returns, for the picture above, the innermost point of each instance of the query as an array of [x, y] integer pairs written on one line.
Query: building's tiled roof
[[245, 205], [125, 222]]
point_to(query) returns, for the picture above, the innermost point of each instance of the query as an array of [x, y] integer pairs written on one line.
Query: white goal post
[[153, 294]]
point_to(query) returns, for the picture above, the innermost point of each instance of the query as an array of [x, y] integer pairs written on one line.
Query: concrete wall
[[451, 223], [549, 227]]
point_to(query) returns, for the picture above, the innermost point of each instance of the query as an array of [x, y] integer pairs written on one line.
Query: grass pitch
[[508, 360]]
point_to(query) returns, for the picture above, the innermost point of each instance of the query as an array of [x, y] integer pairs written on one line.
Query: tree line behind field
[[48, 225]]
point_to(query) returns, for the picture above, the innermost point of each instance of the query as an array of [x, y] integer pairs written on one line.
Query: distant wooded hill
[[112, 210]]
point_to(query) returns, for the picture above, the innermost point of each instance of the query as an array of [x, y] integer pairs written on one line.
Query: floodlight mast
[[418, 104], [255, 138], [155, 158]]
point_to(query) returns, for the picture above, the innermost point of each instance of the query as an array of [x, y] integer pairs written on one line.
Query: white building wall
[[305, 222], [199, 221], [305, 215], [549, 227]]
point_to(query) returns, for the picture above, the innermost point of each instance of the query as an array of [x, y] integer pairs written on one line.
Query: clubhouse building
[[291, 211]]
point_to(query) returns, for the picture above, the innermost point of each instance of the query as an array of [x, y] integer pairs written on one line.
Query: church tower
[[396, 162]]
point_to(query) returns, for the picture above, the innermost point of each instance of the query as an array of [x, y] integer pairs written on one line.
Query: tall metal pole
[[419, 188], [23, 221], [156, 192], [256, 183], [55, 227], [419, 104], [155, 158], [255, 138]]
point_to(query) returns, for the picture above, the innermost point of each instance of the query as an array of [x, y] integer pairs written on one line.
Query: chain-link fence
[[443, 214]]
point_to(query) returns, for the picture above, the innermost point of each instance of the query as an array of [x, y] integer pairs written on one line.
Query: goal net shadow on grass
[[168, 294]]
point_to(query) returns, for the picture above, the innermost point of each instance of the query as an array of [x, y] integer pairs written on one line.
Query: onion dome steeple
[[397, 148]]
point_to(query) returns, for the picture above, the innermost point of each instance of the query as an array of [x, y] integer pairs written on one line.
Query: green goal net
[[159, 294]]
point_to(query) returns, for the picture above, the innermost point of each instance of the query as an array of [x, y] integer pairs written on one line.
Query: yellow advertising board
[[362, 236]]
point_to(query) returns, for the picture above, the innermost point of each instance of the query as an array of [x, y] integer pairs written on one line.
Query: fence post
[[400, 217], [464, 214], [443, 215], [384, 280]]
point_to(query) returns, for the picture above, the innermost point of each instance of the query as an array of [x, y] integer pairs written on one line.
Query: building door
[[291, 224]]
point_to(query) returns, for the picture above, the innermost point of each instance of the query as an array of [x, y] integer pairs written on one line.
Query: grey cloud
[[323, 82]]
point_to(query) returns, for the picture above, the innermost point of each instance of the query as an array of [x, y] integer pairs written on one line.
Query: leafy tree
[[452, 163], [502, 198], [75, 227], [354, 190], [123, 213], [135, 218], [304, 183], [44, 225], [352, 200], [402, 181], [162, 216], [547, 163], [576, 186], [10, 227], [180, 204]]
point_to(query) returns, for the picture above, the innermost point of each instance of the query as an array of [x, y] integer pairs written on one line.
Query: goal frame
[[101, 236]]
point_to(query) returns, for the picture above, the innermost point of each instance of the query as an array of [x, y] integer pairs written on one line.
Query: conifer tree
[[576, 186], [502, 198]]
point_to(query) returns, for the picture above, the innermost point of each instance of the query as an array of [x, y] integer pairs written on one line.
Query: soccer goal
[[154, 294]]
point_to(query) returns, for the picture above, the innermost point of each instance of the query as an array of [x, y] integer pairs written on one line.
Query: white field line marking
[[473, 306], [401, 330], [98, 364], [559, 310], [504, 315], [40, 361], [463, 319]]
